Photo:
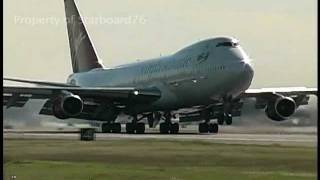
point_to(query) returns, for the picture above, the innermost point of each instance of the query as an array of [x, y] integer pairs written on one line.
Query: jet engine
[[280, 108], [67, 105]]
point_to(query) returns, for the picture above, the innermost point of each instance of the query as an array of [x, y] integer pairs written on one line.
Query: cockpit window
[[228, 44]]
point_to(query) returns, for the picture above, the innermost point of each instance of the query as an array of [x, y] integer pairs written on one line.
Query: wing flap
[[14, 100]]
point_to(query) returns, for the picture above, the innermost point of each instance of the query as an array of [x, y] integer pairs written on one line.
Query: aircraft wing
[[300, 95], [18, 95], [285, 91], [41, 83], [262, 96]]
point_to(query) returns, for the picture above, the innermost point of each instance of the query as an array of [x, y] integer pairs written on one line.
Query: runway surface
[[231, 138]]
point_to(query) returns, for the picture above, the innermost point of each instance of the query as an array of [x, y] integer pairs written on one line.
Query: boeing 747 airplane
[[205, 81]]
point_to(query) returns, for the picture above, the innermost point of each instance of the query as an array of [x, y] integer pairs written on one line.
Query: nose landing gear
[[224, 117]]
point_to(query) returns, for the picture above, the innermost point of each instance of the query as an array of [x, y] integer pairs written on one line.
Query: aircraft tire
[[174, 128], [130, 128], [210, 128], [203, 128], [116, 128], [140, 128], [105, 128], [164, 128], [228, 119], [215, 128]]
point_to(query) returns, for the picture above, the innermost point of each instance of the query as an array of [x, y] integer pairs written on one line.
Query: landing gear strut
[[226, 115], [153, 119]]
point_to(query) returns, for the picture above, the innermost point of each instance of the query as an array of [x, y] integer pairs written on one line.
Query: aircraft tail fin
[[83, 54]]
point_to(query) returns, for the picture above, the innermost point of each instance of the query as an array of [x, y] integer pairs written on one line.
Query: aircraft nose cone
[[248, 69], [247, 72]]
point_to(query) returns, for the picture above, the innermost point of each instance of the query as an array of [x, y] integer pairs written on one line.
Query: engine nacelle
[[67, 105], [281, 108]]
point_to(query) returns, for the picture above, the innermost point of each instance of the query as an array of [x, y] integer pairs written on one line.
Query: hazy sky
[[280, 36]]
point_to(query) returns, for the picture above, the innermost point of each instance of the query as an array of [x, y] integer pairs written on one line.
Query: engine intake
[[281, 108], [67, 105]]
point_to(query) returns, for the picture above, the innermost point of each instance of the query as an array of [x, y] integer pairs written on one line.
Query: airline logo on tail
[[77, 38]]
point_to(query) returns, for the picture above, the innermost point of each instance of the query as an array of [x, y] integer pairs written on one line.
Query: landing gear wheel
[[140, 128], [164, 128], [105, 128], [228, 119], [203, 128], [130, 128], [213, 128], [174, 128], [210, 128], [116, 128]]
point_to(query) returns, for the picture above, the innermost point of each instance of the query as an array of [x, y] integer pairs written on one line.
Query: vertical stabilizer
[[83, 55]]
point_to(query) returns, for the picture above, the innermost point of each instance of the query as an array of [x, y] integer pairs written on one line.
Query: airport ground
[[49, 155]]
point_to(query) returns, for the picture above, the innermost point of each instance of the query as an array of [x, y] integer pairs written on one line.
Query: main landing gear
[[214, 128], [111, 127], [138, 128], [167, 126], [135, 127], [208, 128]]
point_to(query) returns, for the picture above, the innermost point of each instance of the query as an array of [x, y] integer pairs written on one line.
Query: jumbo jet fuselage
[[202, 73], [204, 81]]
